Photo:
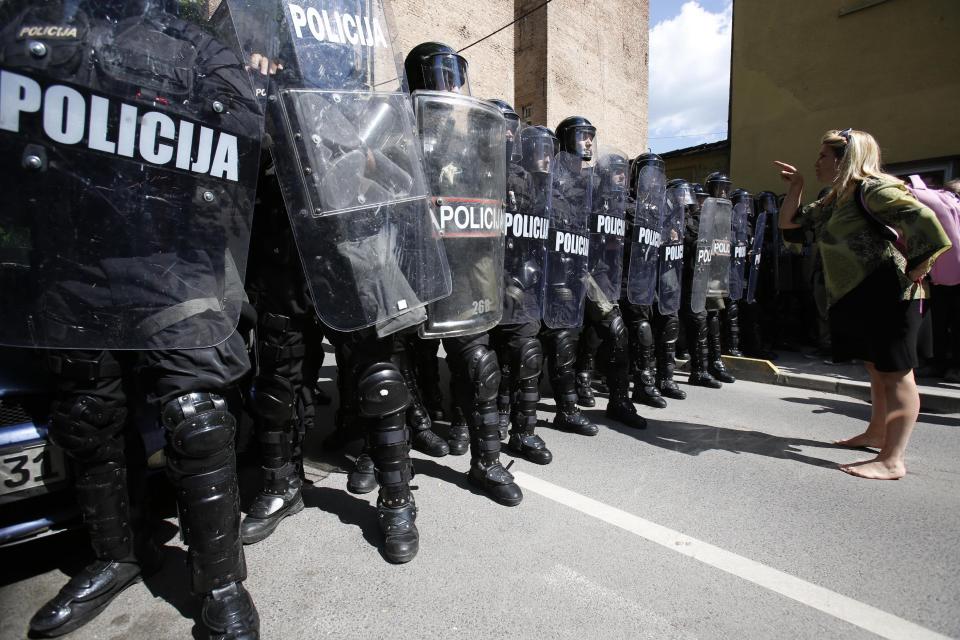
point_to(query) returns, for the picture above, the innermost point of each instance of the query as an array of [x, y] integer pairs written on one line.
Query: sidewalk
[[800, 371]]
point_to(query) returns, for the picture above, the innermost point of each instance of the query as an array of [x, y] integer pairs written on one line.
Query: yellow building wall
[[695, 167], [799, 68]]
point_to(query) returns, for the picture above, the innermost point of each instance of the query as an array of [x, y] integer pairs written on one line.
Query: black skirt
[[872, 323]]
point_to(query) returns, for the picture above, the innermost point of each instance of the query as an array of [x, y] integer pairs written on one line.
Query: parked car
[[36, 496]]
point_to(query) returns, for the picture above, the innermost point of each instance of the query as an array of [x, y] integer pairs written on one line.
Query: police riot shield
[[756, 257], [129, 151], [529, 192], [647, 235], [346, 157], [740, 244], [718, 285], [463, 140], [568, 245], [702, 265], [670, 269], [608, 225]]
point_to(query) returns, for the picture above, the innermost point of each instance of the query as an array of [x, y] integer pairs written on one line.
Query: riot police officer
[[567, 267], [730, 314], [653, 279], [608, 228], [703, 279], [135, 275], [529, 157], [718, 187], [350, 172], [463, 139]]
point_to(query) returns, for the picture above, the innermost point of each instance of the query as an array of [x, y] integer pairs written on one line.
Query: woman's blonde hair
[[859, 156]]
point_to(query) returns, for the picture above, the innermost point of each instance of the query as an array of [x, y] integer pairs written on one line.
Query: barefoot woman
[[874, 292]]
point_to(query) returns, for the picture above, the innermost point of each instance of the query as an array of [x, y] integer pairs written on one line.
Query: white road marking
[[883, 624]]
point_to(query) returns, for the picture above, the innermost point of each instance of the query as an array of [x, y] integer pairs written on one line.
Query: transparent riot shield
[[702, 266], [568, 245], [740, 241], [129, 151], [608, 225], [463, 140], [529, 193], [718, 285], [347, 158], [670, 271], [647, 235], [756, 257]]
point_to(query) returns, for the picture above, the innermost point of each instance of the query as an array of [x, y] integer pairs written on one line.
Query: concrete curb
[[765, 372]]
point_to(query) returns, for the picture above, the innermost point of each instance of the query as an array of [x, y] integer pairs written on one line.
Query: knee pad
[[199, 426], [382, 390], [529, 359], [565, 348], [86, 428], [645, 333], [617, 330], [733, 311], [671, 328], [273, 400], [483, 370], [713, 324]]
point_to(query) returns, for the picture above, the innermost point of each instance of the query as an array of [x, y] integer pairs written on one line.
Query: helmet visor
[[538, 151], [446, 72]]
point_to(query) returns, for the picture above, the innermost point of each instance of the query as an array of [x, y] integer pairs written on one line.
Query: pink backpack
[[946, 270]]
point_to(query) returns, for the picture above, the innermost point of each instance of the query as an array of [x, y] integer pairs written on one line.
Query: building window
[[526, 113]]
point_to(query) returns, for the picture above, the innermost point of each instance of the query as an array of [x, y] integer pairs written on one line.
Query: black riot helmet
[[613, 167], [435, 66], [699, 192], [718, 185], [740, 195], [767, 201], [513, 128], [538, 146], [576, 136], [641, 161], [681, 192]]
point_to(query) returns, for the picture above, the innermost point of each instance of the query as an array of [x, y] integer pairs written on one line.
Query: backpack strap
[[916, 182], [886, 231]]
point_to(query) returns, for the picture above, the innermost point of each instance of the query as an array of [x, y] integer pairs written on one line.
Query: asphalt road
[[727, 518]]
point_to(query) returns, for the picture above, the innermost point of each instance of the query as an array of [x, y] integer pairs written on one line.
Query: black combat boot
[[585, 395], [361, 478], [570, 419], [645, 390], [280, 497], [397, 515], [620, 408], [523, 441], [699, 377], [228, 614], [458, 436], [716, 367], [666, 360], [486, 472], [102, 497], [422, 437], [732, 324]]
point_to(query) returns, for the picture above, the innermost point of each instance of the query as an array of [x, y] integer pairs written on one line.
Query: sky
[[689, 72]]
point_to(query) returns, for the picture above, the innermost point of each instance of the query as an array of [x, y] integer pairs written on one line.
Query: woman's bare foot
[[864, 440], [876, 469]]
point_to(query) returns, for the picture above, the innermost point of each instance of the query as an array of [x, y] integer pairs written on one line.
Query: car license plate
[[30, 468]]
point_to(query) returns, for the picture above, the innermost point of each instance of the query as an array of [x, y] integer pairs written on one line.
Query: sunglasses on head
[[845, 134]]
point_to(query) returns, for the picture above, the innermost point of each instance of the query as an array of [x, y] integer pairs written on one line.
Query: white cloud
[[689, 77]]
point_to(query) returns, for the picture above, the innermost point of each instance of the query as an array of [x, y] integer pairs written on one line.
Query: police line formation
[[173, 175]]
